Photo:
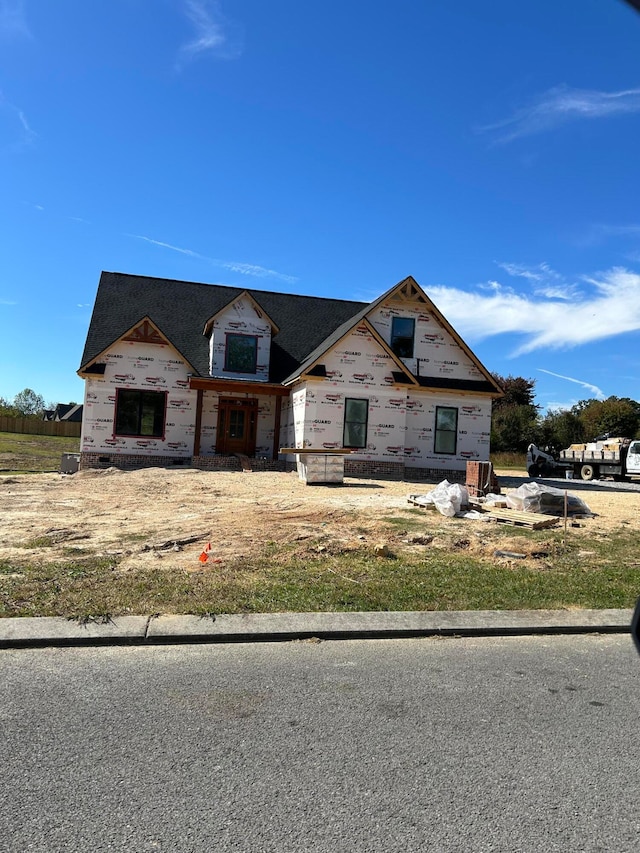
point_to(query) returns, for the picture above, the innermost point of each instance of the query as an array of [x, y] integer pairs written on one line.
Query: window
[[446, 430], [241, 353], [402, 335], [140, 412], [355, 423]]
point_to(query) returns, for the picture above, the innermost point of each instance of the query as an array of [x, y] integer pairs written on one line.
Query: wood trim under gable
[[262, 314], [146, 333]]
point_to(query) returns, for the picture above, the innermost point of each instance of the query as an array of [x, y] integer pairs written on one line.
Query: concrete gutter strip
[[58, 631], [264, 627]]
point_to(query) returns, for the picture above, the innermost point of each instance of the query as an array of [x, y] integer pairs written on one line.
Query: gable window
[[140, 412], [241, 353], [355, 422], [402, 336], [446, 430]]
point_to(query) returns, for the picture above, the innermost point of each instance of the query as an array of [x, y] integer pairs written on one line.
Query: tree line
[[26, 404], [516, 421]]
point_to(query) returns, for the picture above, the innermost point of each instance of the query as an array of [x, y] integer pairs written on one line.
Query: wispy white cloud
[[7, 302], [603, 306], [544, 280], [169, 246], [213, 32], [13, 19], [558, 406], [600, 232], [595, 390], [233, 266], [560, 105], [540, 272], [14, 126]]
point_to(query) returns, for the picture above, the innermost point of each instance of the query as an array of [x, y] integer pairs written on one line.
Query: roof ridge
[[240, 288]]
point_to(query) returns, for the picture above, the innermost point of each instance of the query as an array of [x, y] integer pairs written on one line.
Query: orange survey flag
[[203, 557]]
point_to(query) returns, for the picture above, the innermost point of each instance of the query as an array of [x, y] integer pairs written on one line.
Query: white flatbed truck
[[606, 457]]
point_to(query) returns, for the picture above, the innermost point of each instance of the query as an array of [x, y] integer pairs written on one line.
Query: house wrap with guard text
[[197, 374]]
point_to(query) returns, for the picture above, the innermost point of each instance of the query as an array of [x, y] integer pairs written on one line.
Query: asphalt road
[[575, 485], [515, 744]]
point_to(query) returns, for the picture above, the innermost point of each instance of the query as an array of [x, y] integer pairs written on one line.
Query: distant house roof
[[180, 310], [67, 412]]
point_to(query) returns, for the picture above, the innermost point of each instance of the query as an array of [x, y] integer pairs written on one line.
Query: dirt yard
[[171, 515]]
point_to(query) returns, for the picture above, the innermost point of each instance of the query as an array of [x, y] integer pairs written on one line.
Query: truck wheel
[[587, 472], [532, 471]]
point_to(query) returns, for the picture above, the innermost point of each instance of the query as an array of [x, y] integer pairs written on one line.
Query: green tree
[[514, 418], [616, 416], [6, 408], [559, 429], [27, 402]]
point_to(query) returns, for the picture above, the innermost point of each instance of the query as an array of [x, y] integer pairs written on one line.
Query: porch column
[[276, 428], [198, 426]]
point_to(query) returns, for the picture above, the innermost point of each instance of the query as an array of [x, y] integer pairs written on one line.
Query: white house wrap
[[208, 375]]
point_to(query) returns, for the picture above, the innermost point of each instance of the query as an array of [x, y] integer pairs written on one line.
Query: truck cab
[[633, 458]]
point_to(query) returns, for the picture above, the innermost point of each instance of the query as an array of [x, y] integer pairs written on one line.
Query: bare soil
[[152, 515]]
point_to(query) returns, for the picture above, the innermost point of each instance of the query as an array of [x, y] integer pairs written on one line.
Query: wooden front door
[[237, 421]]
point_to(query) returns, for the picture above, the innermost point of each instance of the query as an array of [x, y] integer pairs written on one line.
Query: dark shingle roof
[[180, 310]]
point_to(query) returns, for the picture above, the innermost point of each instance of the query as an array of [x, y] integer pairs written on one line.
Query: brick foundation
[[130, 460], [433, 475], [232, 463], [205, 463], [370, 469], [364, 469]]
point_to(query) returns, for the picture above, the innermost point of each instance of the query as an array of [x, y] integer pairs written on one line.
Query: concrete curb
[[278, 627]]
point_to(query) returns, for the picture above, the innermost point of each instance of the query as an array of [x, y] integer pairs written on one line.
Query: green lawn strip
[[599, 576], [29, 454]]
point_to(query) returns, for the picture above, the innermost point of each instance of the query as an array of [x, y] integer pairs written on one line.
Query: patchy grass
[[37, 542], [454, 571], [33, 454], [510, 461]]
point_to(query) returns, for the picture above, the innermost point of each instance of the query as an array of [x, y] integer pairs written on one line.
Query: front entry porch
[[241, 423]]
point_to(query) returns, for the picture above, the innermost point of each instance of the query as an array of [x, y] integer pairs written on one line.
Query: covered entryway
[[236, 426], [236, 433]]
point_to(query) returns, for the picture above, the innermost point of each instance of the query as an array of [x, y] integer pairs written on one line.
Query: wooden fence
[[33, 426]]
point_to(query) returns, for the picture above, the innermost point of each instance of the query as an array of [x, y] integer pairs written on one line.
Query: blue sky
[[491, 150]]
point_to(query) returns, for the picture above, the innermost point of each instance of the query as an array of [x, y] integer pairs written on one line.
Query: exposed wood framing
[[228, 386], [145, 333]]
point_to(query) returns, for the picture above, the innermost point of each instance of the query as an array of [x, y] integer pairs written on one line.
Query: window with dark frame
[[402, 336], [241, 353], [446, 437], [356, 413], [140, 412]]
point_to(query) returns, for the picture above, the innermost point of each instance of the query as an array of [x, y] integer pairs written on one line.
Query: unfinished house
[[211, 376]]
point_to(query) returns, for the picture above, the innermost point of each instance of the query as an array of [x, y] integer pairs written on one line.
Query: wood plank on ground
[[532, 520]]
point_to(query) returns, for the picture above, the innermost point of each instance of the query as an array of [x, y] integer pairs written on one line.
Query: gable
[[361, 358], [138, 336], [440, 358], [241, 320], [436, 353]]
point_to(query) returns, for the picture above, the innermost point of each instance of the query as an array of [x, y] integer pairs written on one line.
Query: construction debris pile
[[522, 507], [537, 497]]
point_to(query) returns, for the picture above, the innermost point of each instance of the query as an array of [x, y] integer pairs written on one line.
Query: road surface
[[515, 744]]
